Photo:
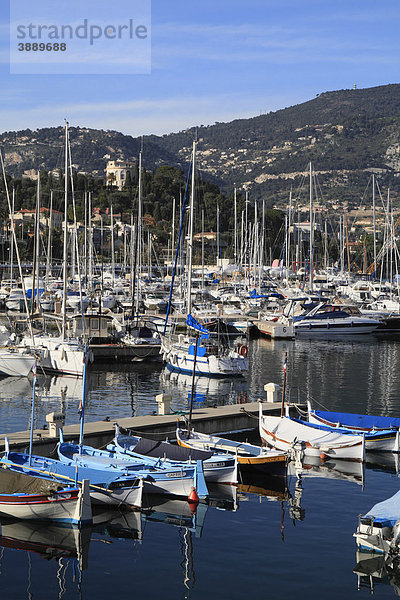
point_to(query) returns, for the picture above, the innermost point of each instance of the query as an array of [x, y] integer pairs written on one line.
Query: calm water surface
[[268, 541]]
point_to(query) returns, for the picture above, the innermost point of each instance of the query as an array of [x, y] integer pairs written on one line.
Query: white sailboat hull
[[58, 356], [178, 358], [14, 363]]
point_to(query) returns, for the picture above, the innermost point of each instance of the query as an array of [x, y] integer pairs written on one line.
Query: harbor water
[[265, 538]]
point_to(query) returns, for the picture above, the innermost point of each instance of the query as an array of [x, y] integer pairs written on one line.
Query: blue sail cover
[[386, 512], [253, 294], [191, 322]]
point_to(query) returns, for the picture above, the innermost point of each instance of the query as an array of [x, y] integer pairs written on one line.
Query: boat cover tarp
[[156, 449], [386, 512], [355, 420], [12, 483], [369, 435], [292, 430]]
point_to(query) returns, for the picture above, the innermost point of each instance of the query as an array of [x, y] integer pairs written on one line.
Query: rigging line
[[177, 249]]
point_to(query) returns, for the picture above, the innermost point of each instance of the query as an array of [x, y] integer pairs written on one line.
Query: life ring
[[243, 350]]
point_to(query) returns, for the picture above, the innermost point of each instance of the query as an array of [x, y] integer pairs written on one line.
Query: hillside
[[344, 133]]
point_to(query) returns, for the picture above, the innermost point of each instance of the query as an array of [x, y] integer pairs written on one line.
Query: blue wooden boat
[[218, 467], [157, 479], [106, 487], [381, 433], [375, 441]]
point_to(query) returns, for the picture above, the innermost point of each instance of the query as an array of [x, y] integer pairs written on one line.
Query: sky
[[213, 60]]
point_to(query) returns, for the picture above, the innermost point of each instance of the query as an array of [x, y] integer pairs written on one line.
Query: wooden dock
[[219, 420], [275, 330]]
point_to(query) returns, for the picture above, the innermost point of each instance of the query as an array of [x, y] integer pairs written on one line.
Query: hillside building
[[117, 171]]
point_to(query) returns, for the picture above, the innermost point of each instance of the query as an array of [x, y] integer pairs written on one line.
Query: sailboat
[[212, 357], [60, 354]]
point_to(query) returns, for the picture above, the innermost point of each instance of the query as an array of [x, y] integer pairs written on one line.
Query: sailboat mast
[[65, 265], [90, 261], [49, 257], [235, 244], [374, 217], [138, 257], [112, 247], [190, 237], [12, 240], [311, 261]]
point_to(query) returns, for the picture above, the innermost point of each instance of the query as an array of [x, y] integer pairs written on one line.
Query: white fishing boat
[[286, 434], [62, 504], [250, 457]]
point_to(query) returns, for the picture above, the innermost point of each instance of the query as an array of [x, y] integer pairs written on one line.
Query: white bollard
[[164, 404], [272, 390], [55, 421]]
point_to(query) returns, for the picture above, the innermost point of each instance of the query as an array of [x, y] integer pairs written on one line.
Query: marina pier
[[221, 420]]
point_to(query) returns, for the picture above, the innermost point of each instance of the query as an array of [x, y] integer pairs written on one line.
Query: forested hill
[[344, 133]]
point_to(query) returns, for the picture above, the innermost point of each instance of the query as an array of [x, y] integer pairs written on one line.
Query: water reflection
[[209, 391], [355, 376], [372, 569]]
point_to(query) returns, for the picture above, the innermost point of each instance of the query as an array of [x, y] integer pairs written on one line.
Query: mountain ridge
[[345, 133]]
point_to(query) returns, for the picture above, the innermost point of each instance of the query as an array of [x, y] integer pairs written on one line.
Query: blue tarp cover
[[354, 420], [201, 351], [369, 435], [386, 512]]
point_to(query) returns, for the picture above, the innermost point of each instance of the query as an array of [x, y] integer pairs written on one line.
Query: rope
[[144, 433], [246, 412]]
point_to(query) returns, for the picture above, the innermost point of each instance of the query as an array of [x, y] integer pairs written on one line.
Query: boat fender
[[284, 329], [63, 354], [193, 497]]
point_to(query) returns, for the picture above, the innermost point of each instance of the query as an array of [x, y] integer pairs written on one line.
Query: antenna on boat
[[32, 413], [193, 386], [82, 404], [284, 384]]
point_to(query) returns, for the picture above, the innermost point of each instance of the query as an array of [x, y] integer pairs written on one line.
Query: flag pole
[[284, 384]]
